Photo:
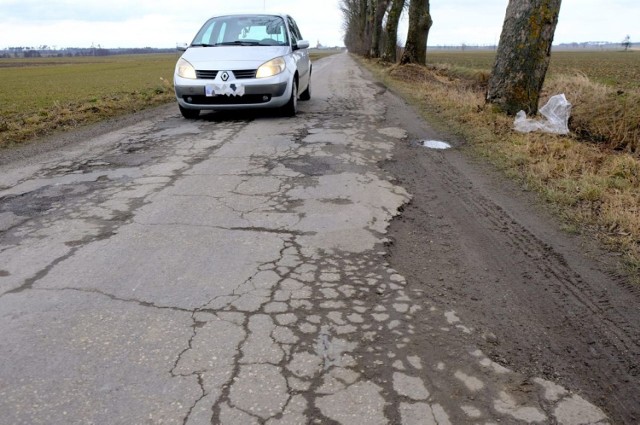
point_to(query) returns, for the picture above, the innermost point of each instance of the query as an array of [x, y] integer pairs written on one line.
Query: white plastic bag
[[556, 113]]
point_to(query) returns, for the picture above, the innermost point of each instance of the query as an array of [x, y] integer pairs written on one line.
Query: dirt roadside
[[543, 303]]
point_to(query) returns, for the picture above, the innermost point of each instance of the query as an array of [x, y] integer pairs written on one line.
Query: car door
[[300, 56]]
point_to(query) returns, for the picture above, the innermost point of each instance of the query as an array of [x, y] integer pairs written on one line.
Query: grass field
[[42, 95], [26, 85], [613, 68]]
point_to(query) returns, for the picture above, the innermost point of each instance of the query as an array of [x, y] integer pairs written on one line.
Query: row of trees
[[524, 51], [368, 33]]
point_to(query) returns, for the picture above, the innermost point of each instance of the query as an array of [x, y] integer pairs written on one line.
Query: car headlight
[[185, 70], [271, 68]]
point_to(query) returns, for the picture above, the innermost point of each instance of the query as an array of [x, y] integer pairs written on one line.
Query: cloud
[[162, 23], [596, 20], [157, 23], [69, 10], [456, 22]]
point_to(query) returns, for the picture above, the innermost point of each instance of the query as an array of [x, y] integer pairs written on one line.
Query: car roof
[[281, 15]]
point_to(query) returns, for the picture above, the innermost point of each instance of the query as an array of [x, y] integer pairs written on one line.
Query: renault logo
[[225, 76]]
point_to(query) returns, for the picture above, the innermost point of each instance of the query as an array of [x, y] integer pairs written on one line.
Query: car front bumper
[[270, 92]]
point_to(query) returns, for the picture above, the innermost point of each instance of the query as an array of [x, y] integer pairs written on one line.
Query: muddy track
[[544, 306]]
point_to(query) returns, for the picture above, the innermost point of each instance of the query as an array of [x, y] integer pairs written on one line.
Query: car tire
[[291, 108], [190, 114], [306, 95]]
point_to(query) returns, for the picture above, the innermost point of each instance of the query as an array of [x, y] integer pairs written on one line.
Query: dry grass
[[601, 113], [64, 116], [593, 187]]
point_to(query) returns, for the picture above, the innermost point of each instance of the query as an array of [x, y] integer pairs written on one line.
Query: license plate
[[209, 90], [231, 89]]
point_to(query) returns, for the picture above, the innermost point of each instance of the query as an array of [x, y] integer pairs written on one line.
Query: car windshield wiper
[[238, 43], [203, 45]]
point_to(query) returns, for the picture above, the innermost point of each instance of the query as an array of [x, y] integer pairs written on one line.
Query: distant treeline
[[591, 45], [46, 51], [35, 52]]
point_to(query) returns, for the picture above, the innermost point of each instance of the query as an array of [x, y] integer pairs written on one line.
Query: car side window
[[297, 30]]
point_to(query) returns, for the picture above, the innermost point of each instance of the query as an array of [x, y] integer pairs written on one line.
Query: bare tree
[[357, 25], [363, 26], [626, 43], [415, 50], [523, 55], [391, 30], [380, 10]]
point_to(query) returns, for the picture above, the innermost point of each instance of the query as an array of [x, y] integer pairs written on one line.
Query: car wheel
[[291, 108], [190, 114], [306, 95]]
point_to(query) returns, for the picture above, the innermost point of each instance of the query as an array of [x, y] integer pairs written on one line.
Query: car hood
[[232, 57]]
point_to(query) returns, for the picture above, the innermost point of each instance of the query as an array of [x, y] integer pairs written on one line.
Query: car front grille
[[206, 75], [245, 73], [240, 74]]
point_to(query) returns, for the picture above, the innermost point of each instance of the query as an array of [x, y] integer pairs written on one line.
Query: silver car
[[244, 61]]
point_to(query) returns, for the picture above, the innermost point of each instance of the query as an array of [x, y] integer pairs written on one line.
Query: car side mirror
[[182, 47], [302, 44]]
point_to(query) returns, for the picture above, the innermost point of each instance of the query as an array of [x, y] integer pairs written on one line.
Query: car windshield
[[254, 30]]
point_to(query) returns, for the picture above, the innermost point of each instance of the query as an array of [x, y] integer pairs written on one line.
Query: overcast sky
[[163, 23]]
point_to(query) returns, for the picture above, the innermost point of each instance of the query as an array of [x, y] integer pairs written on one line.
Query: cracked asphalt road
[[234, 270]]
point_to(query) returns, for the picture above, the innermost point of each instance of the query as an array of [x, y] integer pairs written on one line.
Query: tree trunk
[[523, 55], [381, 7], [365, 13], [415, 51], [393, 18]]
